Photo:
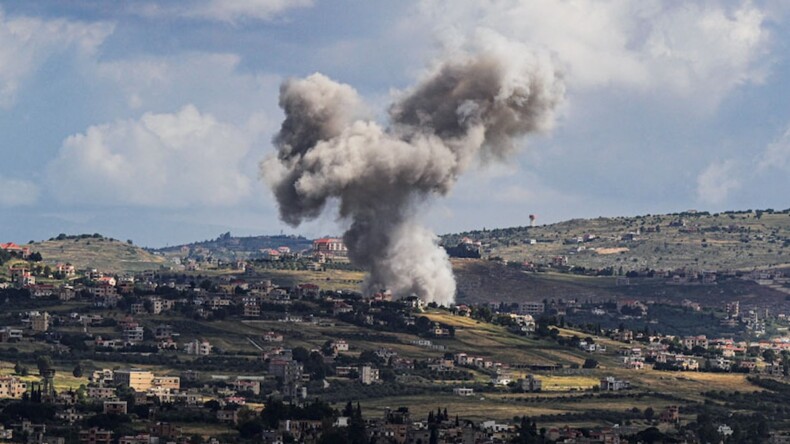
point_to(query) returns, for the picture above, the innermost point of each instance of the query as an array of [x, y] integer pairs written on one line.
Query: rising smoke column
[[471, 105]]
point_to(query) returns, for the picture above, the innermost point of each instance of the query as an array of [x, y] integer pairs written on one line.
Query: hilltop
[[733, 240], [228, 247], [96, 251]]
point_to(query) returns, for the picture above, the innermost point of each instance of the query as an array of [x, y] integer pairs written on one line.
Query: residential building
[[368, 375], [136, 379], [610, 383], [12, 387], [115, 407], [531, 308], [95, 435], [39, 321]]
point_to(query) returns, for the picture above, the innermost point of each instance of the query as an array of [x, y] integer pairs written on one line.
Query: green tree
[[77, 372]]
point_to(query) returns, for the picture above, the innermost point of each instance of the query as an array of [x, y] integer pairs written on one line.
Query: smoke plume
[[471, 105]]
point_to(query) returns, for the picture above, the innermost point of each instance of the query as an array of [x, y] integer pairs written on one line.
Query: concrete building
[[198, 347], [136, 379], [39, 321], [610, 383], [12, 387], [95, 435], [531, 308], [115, 407], [368, 375], [531, 384]]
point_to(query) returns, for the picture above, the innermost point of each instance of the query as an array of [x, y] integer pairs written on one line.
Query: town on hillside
[[282, 347]]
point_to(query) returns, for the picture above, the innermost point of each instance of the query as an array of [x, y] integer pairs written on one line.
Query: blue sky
[[147, 120]]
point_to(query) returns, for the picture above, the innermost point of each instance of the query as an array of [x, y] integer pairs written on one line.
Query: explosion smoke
[[471, 105]]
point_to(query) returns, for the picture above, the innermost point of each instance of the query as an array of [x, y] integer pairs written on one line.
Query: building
[[198, 347], [39, 321], [133, 334], [611, 384], [531, 384], [12, 387], [101, 393], [115, 407], [136, 379], [531, 308], [368, 375], [95, 435], [10, 334], [16, 250], [330, 247], [167, 382], [463, 391]]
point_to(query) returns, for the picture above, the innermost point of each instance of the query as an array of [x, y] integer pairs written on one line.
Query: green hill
[[741, 240], [109, 255]]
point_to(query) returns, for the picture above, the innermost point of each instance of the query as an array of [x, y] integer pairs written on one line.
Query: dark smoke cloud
[[471, 105]]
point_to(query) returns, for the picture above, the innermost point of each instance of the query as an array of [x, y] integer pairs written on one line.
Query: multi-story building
[[136, 379], [531, 308], [115, 407], [39, 321], [330, 246], [368, 375], [167, 382], [95, 435], [12, 387], [133, 334], [198, 347]]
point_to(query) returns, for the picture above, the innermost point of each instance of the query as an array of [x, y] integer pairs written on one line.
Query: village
[[168, 373]]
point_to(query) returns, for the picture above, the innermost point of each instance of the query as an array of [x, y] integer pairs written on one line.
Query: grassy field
[[328, 280], [103, 254], [64, 380]]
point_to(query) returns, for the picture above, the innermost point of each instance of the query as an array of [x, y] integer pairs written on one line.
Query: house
[[16, 250], [610, 383], [10, 334], [463, 391], [230, 415], [368, 375], [330, 247], [115, 407], [531, 384], [95, 435], [133, 334], [198, 347], [101, 393], [340, 345], [136, 379], [39, 322], [531, 308], [12, 387]]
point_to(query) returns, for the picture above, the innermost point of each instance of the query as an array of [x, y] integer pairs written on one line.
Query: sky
[[147, 120]]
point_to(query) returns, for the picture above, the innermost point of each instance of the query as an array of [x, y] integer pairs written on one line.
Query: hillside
[[108, 255], [696, 240], [227, 247]]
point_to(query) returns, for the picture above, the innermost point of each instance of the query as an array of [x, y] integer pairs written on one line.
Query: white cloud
[[223, 10], [17, 192], [717, 181], [26, 43], [700, 50], [776, 154], [211, 81], [161, 160]]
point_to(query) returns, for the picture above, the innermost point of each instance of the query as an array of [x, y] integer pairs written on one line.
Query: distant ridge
[[229, 247]]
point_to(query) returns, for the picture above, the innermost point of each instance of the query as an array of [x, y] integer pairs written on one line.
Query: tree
[[769, 356], [77, 372], [19, 368], [44, 364], [590, 363], [649, 413]]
